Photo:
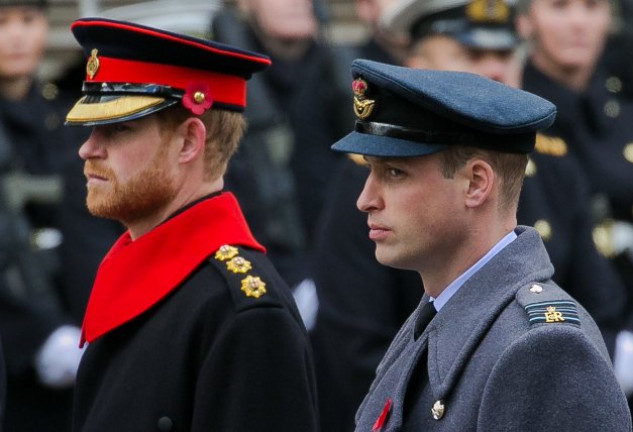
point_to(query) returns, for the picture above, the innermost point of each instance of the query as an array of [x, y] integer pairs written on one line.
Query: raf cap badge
[[488, 11], [363, 107]]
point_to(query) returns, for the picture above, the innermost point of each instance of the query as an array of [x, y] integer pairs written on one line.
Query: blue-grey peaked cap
[[412, 112]]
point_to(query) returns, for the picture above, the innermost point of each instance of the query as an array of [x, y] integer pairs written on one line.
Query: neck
[[15, 89], [576, 79], [438, 275], [142, 227]]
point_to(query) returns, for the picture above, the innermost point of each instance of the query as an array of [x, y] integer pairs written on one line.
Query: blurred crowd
[[300, 198]]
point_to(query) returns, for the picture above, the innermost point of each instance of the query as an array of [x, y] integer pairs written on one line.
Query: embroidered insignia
[[382, 417], [238, 265], [225, 252], [553, 146], [544, 229], [552, 315], [552, 312], [488, 11], [438, 410], [253, 286], [363, 107], [93, 64]]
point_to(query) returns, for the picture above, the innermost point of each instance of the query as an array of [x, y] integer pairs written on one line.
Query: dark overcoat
[[215, 354]]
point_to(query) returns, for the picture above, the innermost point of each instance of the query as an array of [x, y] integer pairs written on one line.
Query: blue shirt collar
[[454, 286]]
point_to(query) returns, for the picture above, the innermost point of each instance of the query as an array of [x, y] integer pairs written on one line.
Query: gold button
[[612, 108], [438, 410], [614, 84], [198, 97]]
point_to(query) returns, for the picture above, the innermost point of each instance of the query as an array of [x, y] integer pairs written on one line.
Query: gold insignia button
[[93, 64], [613, 84], [612, 108], [628, 152], [238, 265], [253, 286], [544, 229], [225, 252], [438, 410]]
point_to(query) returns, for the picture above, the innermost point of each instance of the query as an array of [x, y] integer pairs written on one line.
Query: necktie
[[424, 317]]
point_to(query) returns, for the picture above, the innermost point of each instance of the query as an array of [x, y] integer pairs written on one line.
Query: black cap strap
[[522, 143]]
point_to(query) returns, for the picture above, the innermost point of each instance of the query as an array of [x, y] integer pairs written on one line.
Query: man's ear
[[193, 134], [481, 180]]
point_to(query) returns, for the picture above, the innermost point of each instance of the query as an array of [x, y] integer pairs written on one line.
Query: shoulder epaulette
[[547, 304], [247, 287], [549, 145]]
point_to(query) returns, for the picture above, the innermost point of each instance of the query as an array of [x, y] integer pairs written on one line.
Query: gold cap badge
[[253, 286], [93, 64], [488, 11], [363, 107]]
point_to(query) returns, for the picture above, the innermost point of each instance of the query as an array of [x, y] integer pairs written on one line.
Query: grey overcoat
[[510, 351]]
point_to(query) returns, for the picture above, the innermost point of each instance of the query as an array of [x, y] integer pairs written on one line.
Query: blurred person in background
[[39, 335], [566, 65], [362, 303], [295, 111]]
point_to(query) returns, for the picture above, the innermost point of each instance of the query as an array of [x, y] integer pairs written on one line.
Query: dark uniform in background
[[189, 326], [34, 147], [279, 174], [492, 349]]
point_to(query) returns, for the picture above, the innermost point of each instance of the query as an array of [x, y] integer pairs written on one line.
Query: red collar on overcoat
[[135, 275]]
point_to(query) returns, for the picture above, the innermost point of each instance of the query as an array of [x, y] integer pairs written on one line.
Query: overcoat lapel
[[457, 330]]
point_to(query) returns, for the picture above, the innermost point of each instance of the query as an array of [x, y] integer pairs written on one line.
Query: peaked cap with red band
[[133, 71]]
